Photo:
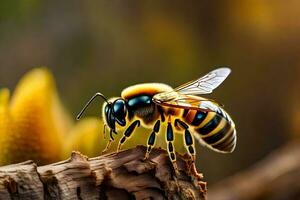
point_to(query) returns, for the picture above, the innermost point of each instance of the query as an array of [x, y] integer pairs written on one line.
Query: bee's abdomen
[[216, 129]]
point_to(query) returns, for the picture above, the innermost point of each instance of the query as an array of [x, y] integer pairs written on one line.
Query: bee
[[181, 109]]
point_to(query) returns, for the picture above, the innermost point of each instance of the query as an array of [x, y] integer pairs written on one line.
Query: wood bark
[[277, 177], [113, 176]]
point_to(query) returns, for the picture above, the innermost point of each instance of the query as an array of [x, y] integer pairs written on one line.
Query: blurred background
[[106, 46]]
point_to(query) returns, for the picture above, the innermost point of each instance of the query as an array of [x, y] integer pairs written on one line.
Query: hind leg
[[190, 147]]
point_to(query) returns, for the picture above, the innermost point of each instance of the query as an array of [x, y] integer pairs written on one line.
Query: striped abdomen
[[214, 129]]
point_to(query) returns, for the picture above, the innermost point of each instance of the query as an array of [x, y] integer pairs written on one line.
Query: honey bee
[[151, 104]]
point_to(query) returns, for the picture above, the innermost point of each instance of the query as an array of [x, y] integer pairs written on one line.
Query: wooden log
[[113, 176]]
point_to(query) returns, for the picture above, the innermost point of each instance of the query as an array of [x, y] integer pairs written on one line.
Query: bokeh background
[[108, 45]]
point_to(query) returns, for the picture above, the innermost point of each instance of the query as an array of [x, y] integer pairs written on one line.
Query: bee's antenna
[[89, 102]]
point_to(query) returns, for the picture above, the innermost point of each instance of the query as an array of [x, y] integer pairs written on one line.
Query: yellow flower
[[5, 125], [34, 123], [85, 137]]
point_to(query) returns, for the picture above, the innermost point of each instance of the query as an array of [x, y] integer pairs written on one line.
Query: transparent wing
[[205, 84], [190, 102]]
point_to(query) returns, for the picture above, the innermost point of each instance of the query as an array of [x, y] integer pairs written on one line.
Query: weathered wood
[[113, 176], [20, 181]]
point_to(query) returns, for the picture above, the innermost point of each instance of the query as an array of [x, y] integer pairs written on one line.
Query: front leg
[[109, 142], [128, 133], [104, 131]]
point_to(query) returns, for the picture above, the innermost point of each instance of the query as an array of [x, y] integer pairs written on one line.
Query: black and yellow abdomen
[[213, 129]]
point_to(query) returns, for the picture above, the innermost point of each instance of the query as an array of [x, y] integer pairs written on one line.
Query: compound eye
[[119, 108]]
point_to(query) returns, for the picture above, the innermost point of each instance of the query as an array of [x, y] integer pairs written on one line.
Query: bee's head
[[115, 112]]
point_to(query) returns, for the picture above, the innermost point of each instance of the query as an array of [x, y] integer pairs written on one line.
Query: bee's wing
[[205, 84], [192, 102]]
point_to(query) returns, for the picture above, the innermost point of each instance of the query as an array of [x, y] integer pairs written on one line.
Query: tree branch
[[114, 176]]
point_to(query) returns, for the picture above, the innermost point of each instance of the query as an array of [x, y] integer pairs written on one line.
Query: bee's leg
[[128, 132], [189, 145], [104, 131], [161, 112], [171, 150], [151, 139], [188, 139], [109, 142]]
